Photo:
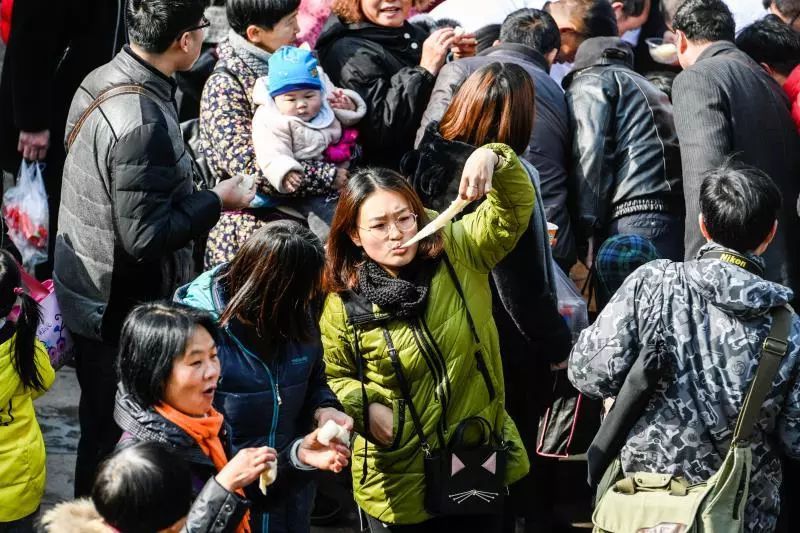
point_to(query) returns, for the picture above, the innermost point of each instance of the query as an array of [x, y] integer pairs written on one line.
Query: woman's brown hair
[[348, 10], [343, 256], [274, 282], [495, 104]]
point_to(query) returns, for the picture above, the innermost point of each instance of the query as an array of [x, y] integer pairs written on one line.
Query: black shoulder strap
[[772, 352], [460, 291], [405, 390]]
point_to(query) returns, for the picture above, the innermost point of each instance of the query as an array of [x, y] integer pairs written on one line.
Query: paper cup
[[552, 229]]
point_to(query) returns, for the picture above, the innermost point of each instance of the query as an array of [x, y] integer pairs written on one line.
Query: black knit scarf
[[404, 296]]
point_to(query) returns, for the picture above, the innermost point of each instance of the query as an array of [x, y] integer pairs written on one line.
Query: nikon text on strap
[[733, 258]]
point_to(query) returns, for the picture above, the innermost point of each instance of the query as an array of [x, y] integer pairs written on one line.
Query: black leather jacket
[[624, 142]]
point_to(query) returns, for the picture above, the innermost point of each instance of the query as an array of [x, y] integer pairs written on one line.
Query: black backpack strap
[[772, 352]]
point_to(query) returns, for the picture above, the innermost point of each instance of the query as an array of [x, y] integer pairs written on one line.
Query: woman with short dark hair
[[424, 308], [273, 388], [370, 48]]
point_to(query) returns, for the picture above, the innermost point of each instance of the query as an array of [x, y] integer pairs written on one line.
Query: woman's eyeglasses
[[403, 223]]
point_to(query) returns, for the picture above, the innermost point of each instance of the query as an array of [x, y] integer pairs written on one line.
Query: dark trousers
[[95, 367], [442, 524], [664, 230], [23, 525]]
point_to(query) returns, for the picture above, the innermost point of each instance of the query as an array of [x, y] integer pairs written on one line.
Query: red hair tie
[[18, 291]]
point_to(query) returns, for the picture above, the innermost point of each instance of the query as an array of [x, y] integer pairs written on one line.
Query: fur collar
[[79, 516]]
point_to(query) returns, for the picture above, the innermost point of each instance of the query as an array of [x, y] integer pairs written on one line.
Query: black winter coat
[[382, 65], [726, 105], [53, 46], [549, 147], [624, 142], [215, 510], [129, 210]]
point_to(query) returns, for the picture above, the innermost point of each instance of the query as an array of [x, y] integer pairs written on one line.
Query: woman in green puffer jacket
[[453, 374]]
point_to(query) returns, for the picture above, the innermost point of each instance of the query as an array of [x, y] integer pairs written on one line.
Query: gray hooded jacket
[[713, 318]]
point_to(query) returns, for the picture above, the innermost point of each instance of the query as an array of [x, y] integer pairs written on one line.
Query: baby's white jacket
[[281, 141]]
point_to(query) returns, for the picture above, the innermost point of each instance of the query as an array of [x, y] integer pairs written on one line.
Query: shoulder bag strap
[[405, 390], [772, 352], [101, 98], [460, 291]]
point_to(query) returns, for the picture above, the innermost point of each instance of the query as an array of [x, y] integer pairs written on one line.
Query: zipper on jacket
[[273, 385], [485, 373]]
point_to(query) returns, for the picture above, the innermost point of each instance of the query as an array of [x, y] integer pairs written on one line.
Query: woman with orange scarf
[[168, 370]]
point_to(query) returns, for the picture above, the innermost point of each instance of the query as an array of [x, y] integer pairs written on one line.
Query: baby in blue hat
[[301, 119]]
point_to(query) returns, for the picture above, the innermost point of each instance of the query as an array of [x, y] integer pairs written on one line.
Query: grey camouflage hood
[[733, 289]]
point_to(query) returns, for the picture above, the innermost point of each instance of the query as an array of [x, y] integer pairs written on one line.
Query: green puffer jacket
[[394, 488]]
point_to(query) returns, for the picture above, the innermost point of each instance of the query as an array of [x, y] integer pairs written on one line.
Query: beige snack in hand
[[456, 206], [331, 430], [268, 477]]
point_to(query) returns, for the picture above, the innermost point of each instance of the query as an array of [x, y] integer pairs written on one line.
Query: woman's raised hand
[[333, 457], [245, 467], [476, 180], [435, 49]]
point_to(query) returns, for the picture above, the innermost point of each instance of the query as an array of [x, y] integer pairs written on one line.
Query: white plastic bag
[[571, 305], [26, 215]]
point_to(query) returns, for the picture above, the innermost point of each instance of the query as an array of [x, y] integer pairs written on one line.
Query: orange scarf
[[205, 431]]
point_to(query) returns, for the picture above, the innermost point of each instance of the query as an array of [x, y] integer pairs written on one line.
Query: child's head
[[294, 82], [143, 488], [267, 24], [11, 293], [739, 207]]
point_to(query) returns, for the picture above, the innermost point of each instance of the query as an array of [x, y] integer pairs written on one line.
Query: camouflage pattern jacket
[[712, 317]]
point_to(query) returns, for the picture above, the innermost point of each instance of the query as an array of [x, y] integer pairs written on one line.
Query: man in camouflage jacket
[[712, 317]]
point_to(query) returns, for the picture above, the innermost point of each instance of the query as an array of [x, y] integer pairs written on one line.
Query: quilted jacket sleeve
[[605, 351], [340, 364], [788, 424], [484, 237], [591, 107], [144, 179]]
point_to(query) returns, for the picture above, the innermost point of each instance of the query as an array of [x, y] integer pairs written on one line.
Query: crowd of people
[[233, 251]]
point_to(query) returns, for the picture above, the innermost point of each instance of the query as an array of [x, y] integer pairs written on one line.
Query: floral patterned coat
[[226, 113]]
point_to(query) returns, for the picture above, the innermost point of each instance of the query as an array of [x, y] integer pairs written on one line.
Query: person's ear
[[681, 42], [184, 41], [551, 56], [703, 229], [497, 42], [769, 69], [618, 8], [355, 238], [764, 245], [253, 33]]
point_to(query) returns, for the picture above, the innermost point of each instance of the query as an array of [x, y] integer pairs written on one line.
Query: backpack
[[646, 501]]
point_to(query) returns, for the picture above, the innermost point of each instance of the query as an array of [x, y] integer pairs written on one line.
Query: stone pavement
[[57, 412]]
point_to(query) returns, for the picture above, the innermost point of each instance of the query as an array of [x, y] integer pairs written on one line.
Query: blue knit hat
[[292, 69]]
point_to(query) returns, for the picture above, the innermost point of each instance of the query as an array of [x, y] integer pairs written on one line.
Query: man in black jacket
[[529, 38], [625, 152], [128, 207], [727, 106]]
